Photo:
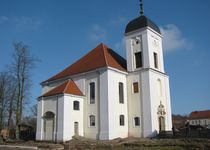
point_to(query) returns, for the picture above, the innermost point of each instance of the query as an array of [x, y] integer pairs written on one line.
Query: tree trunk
[[18, 112], [1, 106], [10, 111]]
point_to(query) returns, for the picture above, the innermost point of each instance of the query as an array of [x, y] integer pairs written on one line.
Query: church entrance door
[[161, 123], [49, 118], [49, 130]]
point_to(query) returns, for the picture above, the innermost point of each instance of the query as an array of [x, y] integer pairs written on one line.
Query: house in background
[[103, 96], [200, 118], [179, 121]]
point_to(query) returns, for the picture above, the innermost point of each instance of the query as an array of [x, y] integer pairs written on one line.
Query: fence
[[184, 133]]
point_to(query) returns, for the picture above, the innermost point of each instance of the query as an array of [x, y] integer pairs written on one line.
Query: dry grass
[[79, 143]]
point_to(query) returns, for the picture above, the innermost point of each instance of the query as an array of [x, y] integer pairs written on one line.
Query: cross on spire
[[141, 8]]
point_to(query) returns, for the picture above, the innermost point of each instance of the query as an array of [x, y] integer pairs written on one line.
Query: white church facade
[[103, 96]]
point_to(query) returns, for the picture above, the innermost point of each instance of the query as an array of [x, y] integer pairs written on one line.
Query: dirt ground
[[22, 145], [80, 143]]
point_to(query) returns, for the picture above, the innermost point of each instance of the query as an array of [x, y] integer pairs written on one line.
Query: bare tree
[[3, 91], [33, 110], [7, 98], [12, 96], [22, 65]]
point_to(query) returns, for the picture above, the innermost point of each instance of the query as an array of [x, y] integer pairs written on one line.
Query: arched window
[[122, 120], [92, 120], [49, 115], [137, 121], [121, 93], [92, 92], [76, 105], [138, 59], [155, 60]]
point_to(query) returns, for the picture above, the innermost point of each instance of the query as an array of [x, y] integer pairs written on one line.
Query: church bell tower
[[145, 65]]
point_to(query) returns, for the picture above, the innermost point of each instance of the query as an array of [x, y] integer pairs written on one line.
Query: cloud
[[118, 21], [173, 38], [3, 19], [97, 33], [22, 22]]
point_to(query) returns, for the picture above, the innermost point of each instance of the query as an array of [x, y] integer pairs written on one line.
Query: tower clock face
[[136, 43]]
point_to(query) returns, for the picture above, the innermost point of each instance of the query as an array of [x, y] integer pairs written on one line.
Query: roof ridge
[[105, 57], [72, 81], [87, 62], [75, 85], [66, 85]]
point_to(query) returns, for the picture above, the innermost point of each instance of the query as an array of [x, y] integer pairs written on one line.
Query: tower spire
[[141, 8]]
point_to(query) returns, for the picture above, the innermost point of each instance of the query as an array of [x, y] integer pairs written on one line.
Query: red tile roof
[[68, 87], [200, 114], [99, 57]]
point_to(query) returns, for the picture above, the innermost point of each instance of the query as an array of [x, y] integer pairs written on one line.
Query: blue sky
[[60, 32]]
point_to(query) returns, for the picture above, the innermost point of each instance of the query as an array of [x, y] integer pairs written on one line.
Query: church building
[[104, 96]]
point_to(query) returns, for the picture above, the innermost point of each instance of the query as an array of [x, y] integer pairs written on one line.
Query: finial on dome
[[141, 8]]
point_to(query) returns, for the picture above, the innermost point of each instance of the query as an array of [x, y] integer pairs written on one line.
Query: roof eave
[[72, 76]]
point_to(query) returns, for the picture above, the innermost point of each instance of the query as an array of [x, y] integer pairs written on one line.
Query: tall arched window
[[122, 120], [121, 93], [76, 105], [159, 87], [92, 120], [155, 60], [92, 92]]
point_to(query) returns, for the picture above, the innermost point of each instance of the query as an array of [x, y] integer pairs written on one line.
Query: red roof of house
[[68, 87], [101, 56], [200, 114]]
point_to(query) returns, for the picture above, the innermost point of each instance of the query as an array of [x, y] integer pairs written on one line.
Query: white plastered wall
[[39, 127], [134, 105], [151, 101], [104, 116], [115, 109], [70, 116], [91, 109], [45, 105]]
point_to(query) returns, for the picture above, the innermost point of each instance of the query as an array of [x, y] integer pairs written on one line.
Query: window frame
[[138, 121], [92, 92], [122, 120], [92, 121], [121, 92], [155, 56], [134, 87], [138, 59], [76, 105]]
